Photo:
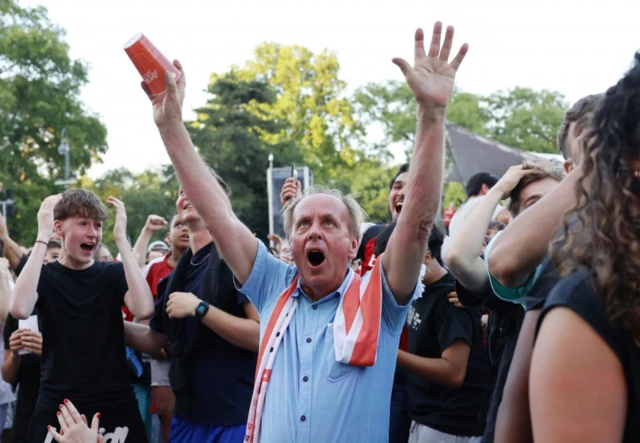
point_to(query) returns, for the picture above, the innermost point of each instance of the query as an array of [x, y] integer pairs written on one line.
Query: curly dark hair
[[604, 233]]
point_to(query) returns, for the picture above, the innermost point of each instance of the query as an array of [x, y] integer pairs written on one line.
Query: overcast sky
[[575, 47]]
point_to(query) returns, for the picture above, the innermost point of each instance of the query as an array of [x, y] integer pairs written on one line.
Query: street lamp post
[[63, 149], [270, 195], [6, 203]]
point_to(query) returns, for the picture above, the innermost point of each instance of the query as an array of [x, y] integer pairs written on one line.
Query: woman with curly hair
[[585, 370]]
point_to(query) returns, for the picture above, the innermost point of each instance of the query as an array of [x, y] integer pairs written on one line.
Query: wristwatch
[[201, 310]]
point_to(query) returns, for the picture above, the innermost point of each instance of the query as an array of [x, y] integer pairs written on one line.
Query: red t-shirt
[[155, 271]]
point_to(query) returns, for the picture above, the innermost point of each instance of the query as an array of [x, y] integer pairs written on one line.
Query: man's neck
[[318, 293], [198, 239], [436, 272], [68, 262], [172, 260]]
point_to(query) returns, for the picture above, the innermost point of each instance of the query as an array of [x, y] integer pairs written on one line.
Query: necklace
[[201, 261]]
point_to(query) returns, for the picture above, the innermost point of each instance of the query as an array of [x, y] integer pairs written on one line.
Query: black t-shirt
[[221, 374], [434, 324], [544, 284], [580, 293], [29, 382], [505, 321], [83, 353]]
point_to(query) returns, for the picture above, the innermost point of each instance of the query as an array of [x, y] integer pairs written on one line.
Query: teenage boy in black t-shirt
[[79, 303]]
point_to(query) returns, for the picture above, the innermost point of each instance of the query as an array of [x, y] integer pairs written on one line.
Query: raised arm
[[463, 254], [138, 298], [523, 245], [233, 239], [431, 81], [154, 224], [12, 251], [24, 295]]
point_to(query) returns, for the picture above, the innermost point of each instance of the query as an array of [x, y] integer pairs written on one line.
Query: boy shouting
[[79, 302]]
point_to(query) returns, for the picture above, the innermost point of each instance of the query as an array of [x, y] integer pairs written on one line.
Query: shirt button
[[315, 307], [308, 340], [305, 378], [303, 418]]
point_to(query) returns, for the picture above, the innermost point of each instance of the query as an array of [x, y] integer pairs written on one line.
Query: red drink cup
[[150, 63]]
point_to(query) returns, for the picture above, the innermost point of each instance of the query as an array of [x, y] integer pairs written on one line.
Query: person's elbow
[[456, 377], [455, 261], [8, 375], [503, 268], [19, 312], [144, 312]]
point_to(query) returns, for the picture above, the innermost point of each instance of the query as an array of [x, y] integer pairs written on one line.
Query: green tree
[[391, 105], [152, 191], [521, 117], [234, 132], [310, 102], [302, 116], [526, 119], [39, 96]]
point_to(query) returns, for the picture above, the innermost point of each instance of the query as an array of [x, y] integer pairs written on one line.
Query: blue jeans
[[184, 432]]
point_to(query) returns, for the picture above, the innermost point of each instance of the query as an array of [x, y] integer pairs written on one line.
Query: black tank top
[[580, 293]]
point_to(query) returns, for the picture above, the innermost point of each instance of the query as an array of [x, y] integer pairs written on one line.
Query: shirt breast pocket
[[337, 371]]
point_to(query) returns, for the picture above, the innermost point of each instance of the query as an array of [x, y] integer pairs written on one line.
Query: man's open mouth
[[315, 257], [399, 207]]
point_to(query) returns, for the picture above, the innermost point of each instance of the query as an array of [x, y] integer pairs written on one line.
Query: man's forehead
[[319, 203], [401, 178]]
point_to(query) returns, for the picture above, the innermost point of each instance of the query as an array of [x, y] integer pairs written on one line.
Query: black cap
[[474, 185]]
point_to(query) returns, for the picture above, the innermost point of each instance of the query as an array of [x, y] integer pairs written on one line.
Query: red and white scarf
[[356, 330]]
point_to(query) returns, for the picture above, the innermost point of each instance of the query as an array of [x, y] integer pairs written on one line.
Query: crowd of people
[[517, 320]]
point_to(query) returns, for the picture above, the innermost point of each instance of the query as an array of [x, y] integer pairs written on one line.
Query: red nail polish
[[48, 428], [61, 406], [59, 413], [98, 415], [66, 400]]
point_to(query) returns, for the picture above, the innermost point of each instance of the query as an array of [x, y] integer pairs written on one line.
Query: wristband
[[43, 242]]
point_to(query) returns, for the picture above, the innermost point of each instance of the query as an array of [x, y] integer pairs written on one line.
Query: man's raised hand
[[431, 78], [167, 106]]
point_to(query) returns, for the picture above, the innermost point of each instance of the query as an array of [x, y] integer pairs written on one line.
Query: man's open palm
[[431, 78]]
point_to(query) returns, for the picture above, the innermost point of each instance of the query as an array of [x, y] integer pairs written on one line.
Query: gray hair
[[356, 213]]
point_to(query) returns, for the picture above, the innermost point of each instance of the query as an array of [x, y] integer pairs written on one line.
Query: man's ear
[[353, 248], [568, 166], [427, 258]]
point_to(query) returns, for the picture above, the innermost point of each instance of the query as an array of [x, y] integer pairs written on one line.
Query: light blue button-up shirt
[[311, 398]]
